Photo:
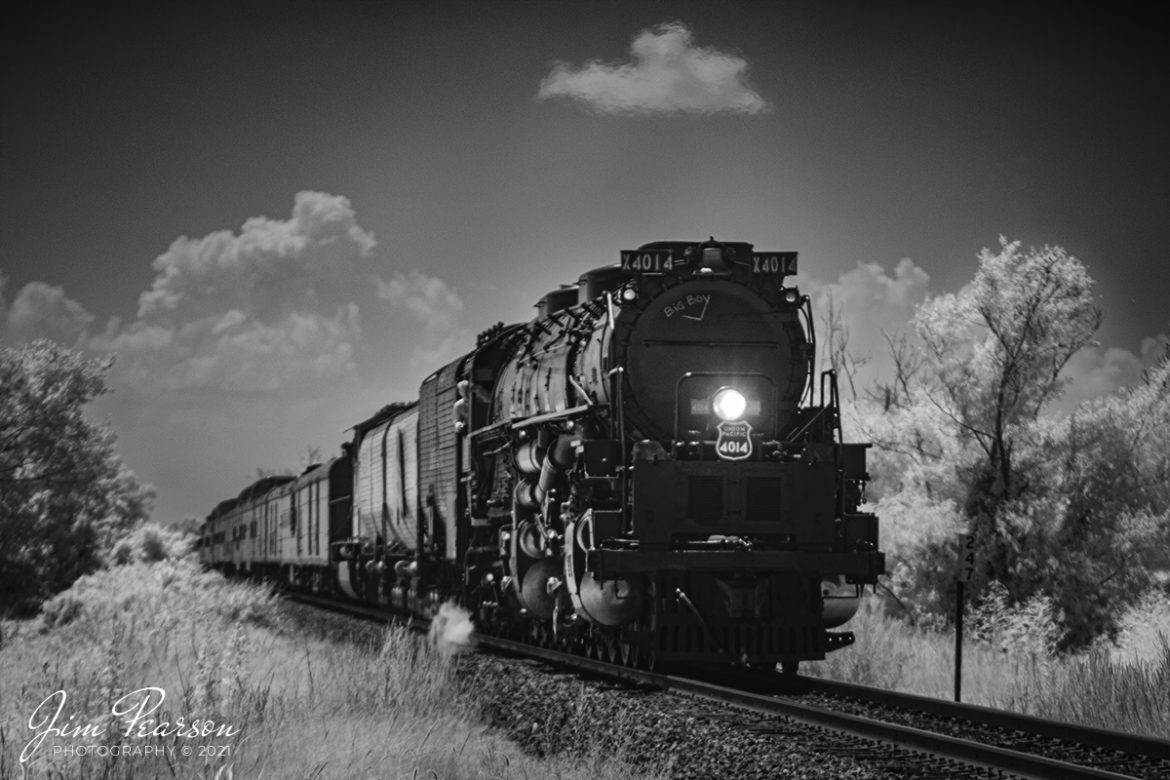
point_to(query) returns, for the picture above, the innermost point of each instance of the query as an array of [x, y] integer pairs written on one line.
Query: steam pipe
[[558, 458]]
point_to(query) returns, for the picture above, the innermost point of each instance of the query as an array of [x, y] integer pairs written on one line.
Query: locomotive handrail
[[584, 393], [834, 399], [618, 375], [806, 311], [524, 422], [491, 428]]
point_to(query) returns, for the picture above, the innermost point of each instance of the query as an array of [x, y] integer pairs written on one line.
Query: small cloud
[[667, 74]]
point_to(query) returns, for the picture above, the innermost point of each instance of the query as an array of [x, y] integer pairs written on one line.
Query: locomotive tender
[[648, 471]]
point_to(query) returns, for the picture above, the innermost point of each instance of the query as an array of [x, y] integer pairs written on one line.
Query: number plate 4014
[[653, 262], [734, 441]]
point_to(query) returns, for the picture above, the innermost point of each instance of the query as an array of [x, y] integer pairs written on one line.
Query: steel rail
[[1136, 744]]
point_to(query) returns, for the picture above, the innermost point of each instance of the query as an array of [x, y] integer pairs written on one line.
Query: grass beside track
[[295, 702], [302, 704], [1123, 687]]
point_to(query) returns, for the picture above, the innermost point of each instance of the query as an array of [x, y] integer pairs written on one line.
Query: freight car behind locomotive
[[647, 470]]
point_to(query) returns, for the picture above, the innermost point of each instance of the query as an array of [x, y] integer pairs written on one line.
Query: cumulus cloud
[[872, 307], [233, 351], [667, 74], [276, 306], [1097, 371], [436, 307], [269, 268], [267, 307], [41, 310]]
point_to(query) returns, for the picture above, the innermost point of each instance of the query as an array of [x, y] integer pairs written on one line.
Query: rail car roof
[[317, 472], [222, 508], [262, 486], [382, 415]]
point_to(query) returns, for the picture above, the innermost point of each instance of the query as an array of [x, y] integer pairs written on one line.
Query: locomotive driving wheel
[[539, 635], [610, 651], [631, 654]]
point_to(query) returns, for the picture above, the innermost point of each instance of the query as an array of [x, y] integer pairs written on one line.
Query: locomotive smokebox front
[[703, 335]]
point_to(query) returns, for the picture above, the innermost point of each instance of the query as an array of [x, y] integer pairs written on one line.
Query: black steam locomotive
[[648, 471]]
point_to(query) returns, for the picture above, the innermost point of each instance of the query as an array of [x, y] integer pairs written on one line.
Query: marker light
[[791, 295], [629, 295], [728, 404]]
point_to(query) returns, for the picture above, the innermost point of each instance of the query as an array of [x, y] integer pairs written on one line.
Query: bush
[[150, 543]]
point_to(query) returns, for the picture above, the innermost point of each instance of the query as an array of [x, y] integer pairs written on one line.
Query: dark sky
[[891, 131]]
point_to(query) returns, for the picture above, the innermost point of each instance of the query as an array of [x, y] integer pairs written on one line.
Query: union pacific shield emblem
[[735, 440]]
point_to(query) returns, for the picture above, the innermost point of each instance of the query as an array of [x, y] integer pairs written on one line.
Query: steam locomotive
[[649, 471]]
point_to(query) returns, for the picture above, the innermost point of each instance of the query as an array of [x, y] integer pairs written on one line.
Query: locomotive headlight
[[728, 404]]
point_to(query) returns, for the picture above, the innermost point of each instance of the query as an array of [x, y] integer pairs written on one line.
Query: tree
[[996, 349], [1065, 509], [1104, 494], [64, 493], [843, 362]]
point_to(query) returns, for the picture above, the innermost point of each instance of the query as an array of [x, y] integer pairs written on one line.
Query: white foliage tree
[[994, 351], [1066, 509]]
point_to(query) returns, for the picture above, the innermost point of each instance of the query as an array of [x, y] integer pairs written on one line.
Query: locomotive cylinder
[[529, 539], [525, 495]]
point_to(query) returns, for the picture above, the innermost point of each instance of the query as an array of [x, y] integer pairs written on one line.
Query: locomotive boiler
[[649, 471]]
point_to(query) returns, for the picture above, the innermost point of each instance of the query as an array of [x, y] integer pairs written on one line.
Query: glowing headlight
[[729, 404]]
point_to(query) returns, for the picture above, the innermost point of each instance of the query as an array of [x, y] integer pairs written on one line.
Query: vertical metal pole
[[959, 640]]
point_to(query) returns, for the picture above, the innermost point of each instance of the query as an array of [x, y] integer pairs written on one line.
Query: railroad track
[[901, 734]]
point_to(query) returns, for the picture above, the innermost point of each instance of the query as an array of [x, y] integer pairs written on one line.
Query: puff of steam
[[452, 631]]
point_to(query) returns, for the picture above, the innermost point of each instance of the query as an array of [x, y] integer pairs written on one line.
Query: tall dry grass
[[1008, 664], [296, 703]]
